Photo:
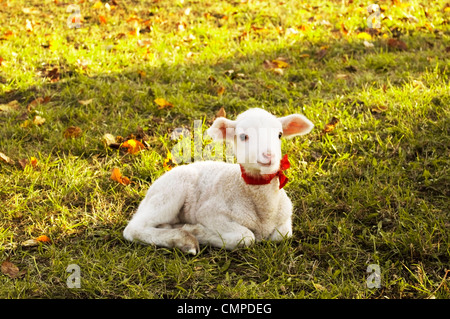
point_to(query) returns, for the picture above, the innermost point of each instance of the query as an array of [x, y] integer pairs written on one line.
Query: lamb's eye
[[280, 135], [243, 137]]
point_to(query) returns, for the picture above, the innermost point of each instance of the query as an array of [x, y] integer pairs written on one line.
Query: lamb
[[224, 204]]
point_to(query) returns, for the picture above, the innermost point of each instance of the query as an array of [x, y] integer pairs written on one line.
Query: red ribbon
[[267, 178]]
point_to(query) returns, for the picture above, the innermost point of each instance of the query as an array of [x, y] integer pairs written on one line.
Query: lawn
[[370, 184]]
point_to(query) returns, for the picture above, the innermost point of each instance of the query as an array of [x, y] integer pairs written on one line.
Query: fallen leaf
[[73, 132], [1, 60], [33, 161], [331, 125], [117, 176], [30, 243], [6, 159], [11, 106], [221, 113], [102, 19], [364, 36], [38, 120], [11, 270], [110, 140], [162, 103], [97, 5], [35, 103], [53, 75], [379, 108], [133, 146], [280, 63], [43, 239], [85, 102], [397, 44], [168, 162], [221, 90]]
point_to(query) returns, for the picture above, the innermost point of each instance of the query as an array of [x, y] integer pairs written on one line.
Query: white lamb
[[223, 204]]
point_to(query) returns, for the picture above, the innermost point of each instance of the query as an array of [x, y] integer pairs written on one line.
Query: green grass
[[375, 190]]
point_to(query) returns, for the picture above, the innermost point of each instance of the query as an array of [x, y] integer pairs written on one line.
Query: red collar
[[267, 178]]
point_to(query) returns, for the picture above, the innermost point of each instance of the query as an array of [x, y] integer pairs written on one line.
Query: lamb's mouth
[[268, 164]]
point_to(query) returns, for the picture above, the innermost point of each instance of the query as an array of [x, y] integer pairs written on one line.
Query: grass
[[374, 190]]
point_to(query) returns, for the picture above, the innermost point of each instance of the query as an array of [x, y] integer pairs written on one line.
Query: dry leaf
[[117, 176], [38, 120], [97, 5], [85, 102], [11, 270], [6, 159], [73, 132], [221, 90], [110, 140], [168, 162], [331, 125], [280, 63], [221, 113], [397, 44], [162, 103], [364, 36], [379, 108], [53, 75], [43, 239], [102, 19], [11, 106], [133, 146], [36, 102]]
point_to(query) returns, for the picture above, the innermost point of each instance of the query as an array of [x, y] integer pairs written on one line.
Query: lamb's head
[[256, 137]]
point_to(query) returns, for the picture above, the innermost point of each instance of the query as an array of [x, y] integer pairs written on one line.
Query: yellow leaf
[[364, 36], [38, 120], [331, 125], [221, 90], [97, 5], [168, 162], [280, 64], [162, 103]]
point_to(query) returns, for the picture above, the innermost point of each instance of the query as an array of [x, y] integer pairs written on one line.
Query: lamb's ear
[[222, 129], [295, 124]]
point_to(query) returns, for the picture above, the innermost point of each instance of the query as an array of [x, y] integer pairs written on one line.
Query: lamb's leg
[[283, 231], [221, 233], [151, 223]]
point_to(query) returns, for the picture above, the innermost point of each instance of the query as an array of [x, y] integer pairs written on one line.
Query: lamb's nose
[[267, 154]]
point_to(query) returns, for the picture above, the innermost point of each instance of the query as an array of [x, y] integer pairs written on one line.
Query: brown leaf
[[221, 113], [331, 125], [379, 108], [117, 176], [397, 44], [11, 270], [53, 75], [220, 91], [73, 132]]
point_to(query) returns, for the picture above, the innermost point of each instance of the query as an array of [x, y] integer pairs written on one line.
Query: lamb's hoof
[[189, 244]]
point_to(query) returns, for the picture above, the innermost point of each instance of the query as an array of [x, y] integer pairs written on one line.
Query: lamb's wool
[[209, 202]]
